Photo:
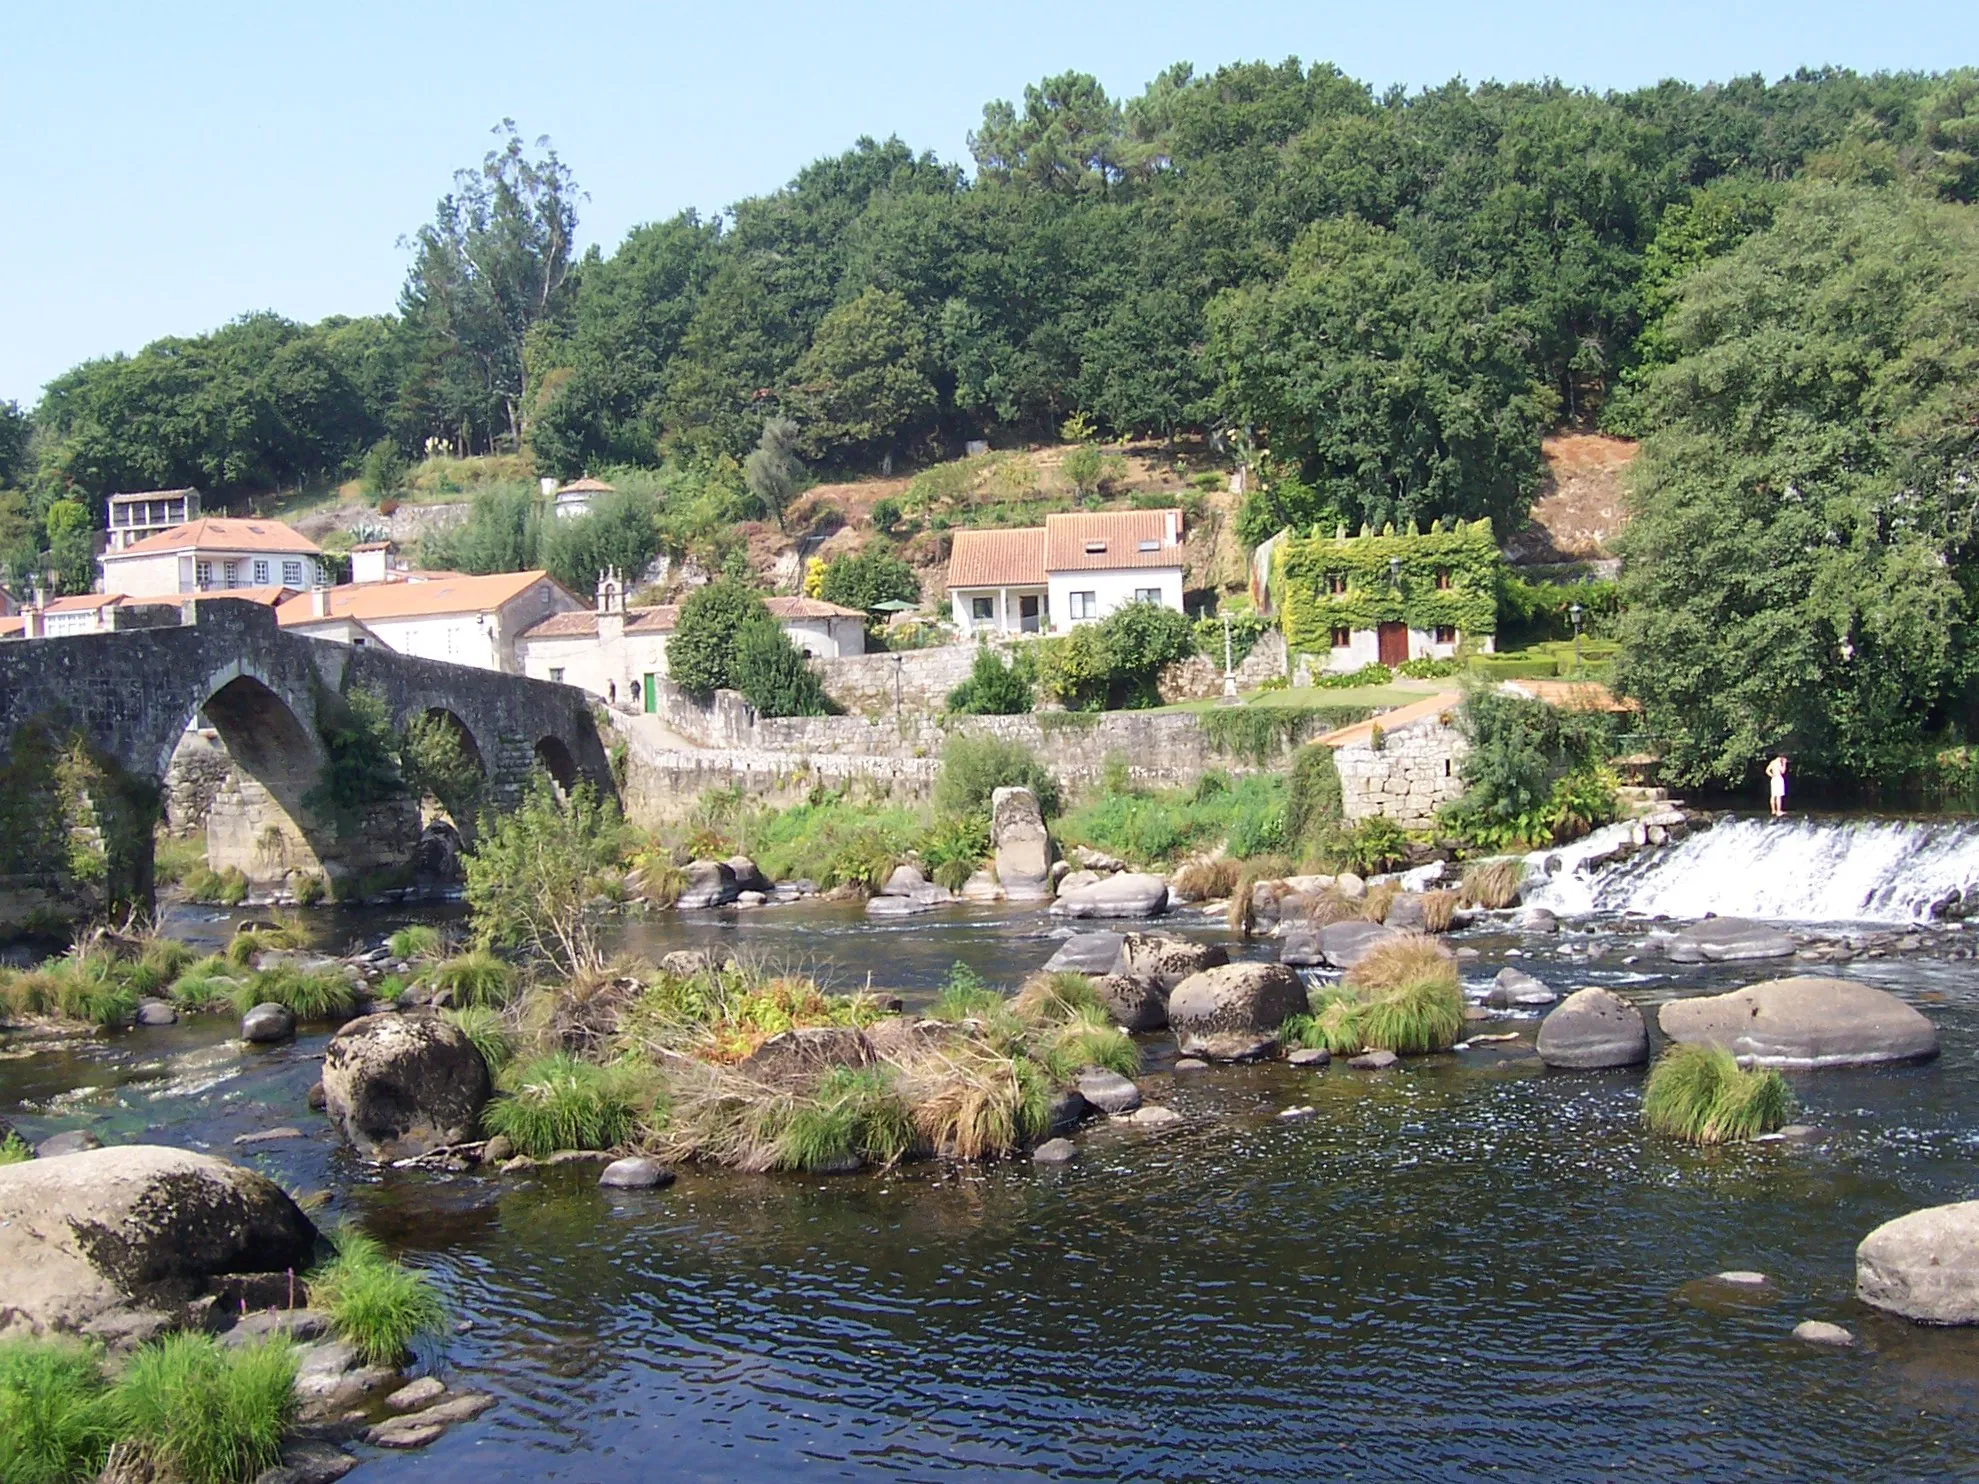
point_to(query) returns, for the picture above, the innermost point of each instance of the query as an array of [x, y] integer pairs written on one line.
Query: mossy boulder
[[399, 1086]]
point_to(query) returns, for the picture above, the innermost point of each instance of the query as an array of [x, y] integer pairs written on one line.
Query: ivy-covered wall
[[1389, 577], [75, 833]]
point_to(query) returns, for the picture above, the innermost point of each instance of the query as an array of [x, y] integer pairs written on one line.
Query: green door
[[652, 693]]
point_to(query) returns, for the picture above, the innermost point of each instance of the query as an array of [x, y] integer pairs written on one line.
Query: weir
[[1805, 869]]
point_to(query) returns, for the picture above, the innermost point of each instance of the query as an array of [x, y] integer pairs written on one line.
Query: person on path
[[1776, 783]]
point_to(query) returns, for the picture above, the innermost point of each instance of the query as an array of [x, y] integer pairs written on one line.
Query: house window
[[202, 574], [1442, 579], [981, 610], [1149, 546], [232, 571], [556, 674], [1445, 634], [1342, 637], [260, 574], [1336, 583], [1147, 595], [292, 574], [1085, 605]]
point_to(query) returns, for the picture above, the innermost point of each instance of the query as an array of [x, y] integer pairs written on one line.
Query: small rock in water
[[497, 1150], [75, 1141], [417, 1394], [1109, 1092], [636, 1174], [1310, 1056], [308, 1461], [1154, 1117], [1190, 1064], [1291, 1115], [1374, 1061], [417, 1429], [1798, 1132], [266, 1023], [1743, 1278], [156, 1012], [317, 1097], [1820, 1332], [1465, 954], [1055, 1152]]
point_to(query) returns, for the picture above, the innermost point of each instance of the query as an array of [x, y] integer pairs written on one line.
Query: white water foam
[[1810, 870]]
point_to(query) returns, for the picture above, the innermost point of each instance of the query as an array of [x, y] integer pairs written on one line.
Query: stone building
[[1403, 764]]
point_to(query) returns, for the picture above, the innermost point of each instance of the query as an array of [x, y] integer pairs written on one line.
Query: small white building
[[823, 631], [575, 498], [463, 620], [1076, 568], [143, 513], [214, 554]]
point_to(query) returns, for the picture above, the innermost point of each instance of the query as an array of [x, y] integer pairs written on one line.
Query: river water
[[1467, 1266]]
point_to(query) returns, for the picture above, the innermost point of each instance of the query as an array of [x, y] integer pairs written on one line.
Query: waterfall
[[1813, 870]]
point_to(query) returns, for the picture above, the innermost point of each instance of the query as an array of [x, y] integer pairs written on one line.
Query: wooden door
[[1394, 639]]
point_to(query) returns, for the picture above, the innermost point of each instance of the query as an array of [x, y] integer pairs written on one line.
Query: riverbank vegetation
[[375, 1303], [1701, 1094]]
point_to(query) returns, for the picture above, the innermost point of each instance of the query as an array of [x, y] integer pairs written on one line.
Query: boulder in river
[[1020, 845], [1128, 894], [1135, 1004], [748, 875], [1109, 1091], [1234, 1008], [267, 1023], [1804, 1022], [1594, 1028], [1343, 944], [74, 1141], [1516, 989], [1724, 940], [804, 1055], [1300, 948], [1924, 1266], [403, 1085], [1164, 959], [84, 1236], [707, 884], [635, 1173], [904, 881], [1086, 953]]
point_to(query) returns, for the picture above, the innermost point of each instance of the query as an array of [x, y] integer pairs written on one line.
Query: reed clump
[[375, 1303], [1701, 1094], [1402, 996], [1493, 883]]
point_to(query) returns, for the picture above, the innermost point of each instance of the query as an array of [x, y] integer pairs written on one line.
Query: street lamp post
[[1229, 672], [1573, 616]]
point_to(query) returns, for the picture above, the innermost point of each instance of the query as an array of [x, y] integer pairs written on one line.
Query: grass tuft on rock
[[1056, 998], [415, 941], [1088, 1039], [1701, 1094], [86, 986], [971, 1102], [1208, 880], [1402, 996], [56, 1423], [557, 1102], [202, 1413], [375, 1303], [284, 935], [307, 994], [14, 1150], [1439, 909], [477, 978], [852, 1114], [484, 1026], [1494, 883], [1374, 906]]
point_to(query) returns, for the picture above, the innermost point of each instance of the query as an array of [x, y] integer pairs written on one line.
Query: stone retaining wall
[[1407, 774], [866, 684]]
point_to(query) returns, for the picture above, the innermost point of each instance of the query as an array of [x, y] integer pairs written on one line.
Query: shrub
[[14, 1150], [420, 940], [226, 888], [864, 858], [483, 1025], [851, 1114], [1700, 1093], [1113, 663], [953, 847], [725, 639], [533, 872], [1312, 796], [307, 994], [205, 1413], [771, 673], [310, 889], [995, 688], [1376, 844], [558, 1102], [973, 768], [1088, 1039], [1493, 883], [476, 978], [964, 996], [1056, 997], [375, 1303], [56, 1424], [886, 513], [1208, 880], [1429, 669], [1375, 674], [1519, 749], [439, 762], [868, 578]]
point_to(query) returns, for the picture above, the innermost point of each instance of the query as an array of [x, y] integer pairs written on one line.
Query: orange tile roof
[[997, 558], [1119, 535], [216, 533], [789, 608], [83, 603], [1571, 695], [370, 602], [586, 486], [584, 624], [13, 626], [1388, 721]]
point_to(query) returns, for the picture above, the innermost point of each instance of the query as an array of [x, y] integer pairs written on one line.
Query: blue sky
[[172, 167]]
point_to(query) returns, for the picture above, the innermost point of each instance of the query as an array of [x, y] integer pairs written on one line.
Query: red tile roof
[[216, 533], [789, 608], [370, 602], [585, 486], [1092, 541], [658, 620], [997, 558]]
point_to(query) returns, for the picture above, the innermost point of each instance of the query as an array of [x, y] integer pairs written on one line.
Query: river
[[1466, 1266]]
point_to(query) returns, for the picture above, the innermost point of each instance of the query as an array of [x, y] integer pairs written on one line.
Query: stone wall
[[1407, 774], [864, 684], [199, 769], [1200, 678]]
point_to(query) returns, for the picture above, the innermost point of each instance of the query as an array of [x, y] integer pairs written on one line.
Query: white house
[[1075, 568], [142, 513], [575, 498], [619, 654], [462, 620], [214, 554]]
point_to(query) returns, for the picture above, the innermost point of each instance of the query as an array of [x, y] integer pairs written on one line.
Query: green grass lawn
[[1313, 697]]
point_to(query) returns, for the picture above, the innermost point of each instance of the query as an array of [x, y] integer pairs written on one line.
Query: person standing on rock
[[1776, 784]]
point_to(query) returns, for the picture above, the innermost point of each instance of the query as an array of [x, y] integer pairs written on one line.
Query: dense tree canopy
[[1797, 574]]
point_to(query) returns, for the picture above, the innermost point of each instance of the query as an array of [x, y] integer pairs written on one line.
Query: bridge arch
[[554, 758]]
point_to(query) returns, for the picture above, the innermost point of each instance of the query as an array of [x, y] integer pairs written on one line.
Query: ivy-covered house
[[1383, 596]]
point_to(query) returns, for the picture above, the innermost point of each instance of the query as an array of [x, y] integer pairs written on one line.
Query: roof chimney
[[33, 621], [319, 601], [1173, 520]]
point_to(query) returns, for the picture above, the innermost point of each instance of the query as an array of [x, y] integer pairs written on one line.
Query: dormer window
[[1150, 546], [1095, 548]]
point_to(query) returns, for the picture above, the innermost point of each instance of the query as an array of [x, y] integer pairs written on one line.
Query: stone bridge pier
[[90, 724]]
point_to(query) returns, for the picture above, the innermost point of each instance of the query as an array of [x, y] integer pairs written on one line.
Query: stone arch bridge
[[90, 722]]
